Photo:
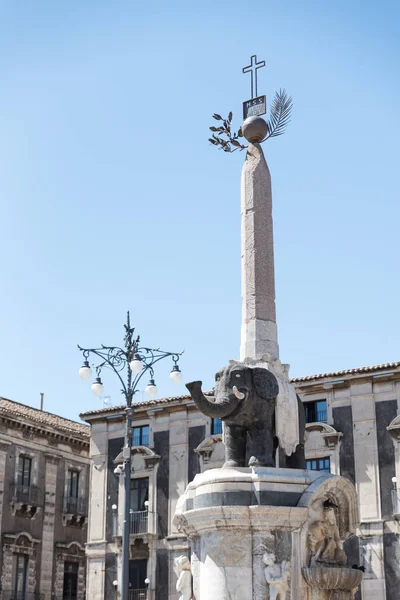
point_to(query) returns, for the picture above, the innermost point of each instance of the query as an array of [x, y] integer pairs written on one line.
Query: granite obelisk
[[259, 332]]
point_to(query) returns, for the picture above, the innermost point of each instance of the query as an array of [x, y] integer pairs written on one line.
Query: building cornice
[[29, 428]]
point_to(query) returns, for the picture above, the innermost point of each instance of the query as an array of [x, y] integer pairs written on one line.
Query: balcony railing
[[30, 494], [137, 594], [315, 416], [10, 595], [75, 506], [396, 502], [139, 524]]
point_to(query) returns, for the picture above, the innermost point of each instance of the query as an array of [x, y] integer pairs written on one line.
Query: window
[[319, 464], [20, 577], [315, 411], [137, 576], [141, 435], [73, 484], [216, 426], [72, 500], [70, 587], [139, 493], [24, 471]]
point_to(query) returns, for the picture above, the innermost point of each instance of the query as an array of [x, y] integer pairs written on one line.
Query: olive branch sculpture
[[279, 118]]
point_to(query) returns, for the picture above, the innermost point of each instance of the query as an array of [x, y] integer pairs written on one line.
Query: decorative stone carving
[[329, 433], [277, 576], [333, 518], [149, 456], [363, 428], [22, 543], [99, 462], [22, 509], [207, 446], [394, 428], [340, 584], [184, 583], [324, 541], [287, 421], [69, 552]]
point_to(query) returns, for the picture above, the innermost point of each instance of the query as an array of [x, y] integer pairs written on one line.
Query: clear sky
[[112, 199]]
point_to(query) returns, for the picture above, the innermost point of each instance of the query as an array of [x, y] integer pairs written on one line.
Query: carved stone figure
[[277, 576], [184, 583], [324, 540], [245, 399]]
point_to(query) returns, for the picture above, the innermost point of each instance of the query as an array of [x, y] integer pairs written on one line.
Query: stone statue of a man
[[277, 576], [184, 583]]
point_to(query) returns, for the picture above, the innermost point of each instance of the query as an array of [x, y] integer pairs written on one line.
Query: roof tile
[[9, 408]]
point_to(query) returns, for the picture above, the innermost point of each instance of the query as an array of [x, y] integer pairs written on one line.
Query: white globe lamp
[[136, 364], [97, 387], [85, 372], [151, 389], [176, 375]]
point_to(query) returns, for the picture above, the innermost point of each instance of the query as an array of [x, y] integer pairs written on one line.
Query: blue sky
[[111, 198]]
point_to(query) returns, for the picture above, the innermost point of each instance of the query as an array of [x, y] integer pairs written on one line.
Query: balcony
[[10, 595], [76, 506], [25, 500], [138, 525], [26, 494], [137, 594], [75, 511]]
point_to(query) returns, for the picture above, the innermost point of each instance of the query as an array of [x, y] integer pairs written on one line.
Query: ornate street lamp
[[130, 364]]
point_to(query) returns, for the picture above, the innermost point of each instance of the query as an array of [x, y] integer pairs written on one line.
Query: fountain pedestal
[[249, 534]]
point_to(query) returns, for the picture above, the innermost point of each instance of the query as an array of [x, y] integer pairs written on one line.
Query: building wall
[[41, 528], [355, 438]]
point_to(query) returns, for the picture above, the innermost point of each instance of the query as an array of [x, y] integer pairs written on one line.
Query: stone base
[[247, 530]]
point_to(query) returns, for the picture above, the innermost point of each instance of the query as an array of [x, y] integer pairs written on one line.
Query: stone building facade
[[44, 484], [353, 430]]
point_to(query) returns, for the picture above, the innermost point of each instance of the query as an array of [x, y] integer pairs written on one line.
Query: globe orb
[[254, 129]]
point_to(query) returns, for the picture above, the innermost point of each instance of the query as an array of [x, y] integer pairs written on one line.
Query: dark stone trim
[[385, 412], [196, 436], [245, 498], [391, 561], [110, 575], [161, 447], [162, 571], [114, 448], [343, 422]]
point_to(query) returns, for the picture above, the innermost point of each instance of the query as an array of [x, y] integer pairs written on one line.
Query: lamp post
[[130, 364]]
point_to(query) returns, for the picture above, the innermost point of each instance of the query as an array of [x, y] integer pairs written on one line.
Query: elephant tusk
[[239, 395]]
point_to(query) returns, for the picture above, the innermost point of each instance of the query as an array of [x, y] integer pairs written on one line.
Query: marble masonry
[[269, 533]]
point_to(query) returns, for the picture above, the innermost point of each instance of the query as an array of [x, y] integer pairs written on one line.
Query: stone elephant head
[[238, 391]]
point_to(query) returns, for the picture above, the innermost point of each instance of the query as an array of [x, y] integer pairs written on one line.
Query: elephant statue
[[245, 400]]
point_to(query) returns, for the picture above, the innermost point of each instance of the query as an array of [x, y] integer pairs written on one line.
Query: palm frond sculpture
[[279, 118], [280, 113]]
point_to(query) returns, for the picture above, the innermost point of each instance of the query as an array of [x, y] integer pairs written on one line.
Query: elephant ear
[[265, 383]]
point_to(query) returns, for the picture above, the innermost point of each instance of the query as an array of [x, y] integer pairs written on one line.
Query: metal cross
[[252, 68]]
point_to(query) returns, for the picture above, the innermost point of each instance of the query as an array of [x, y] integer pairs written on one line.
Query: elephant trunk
[[219, 409]]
